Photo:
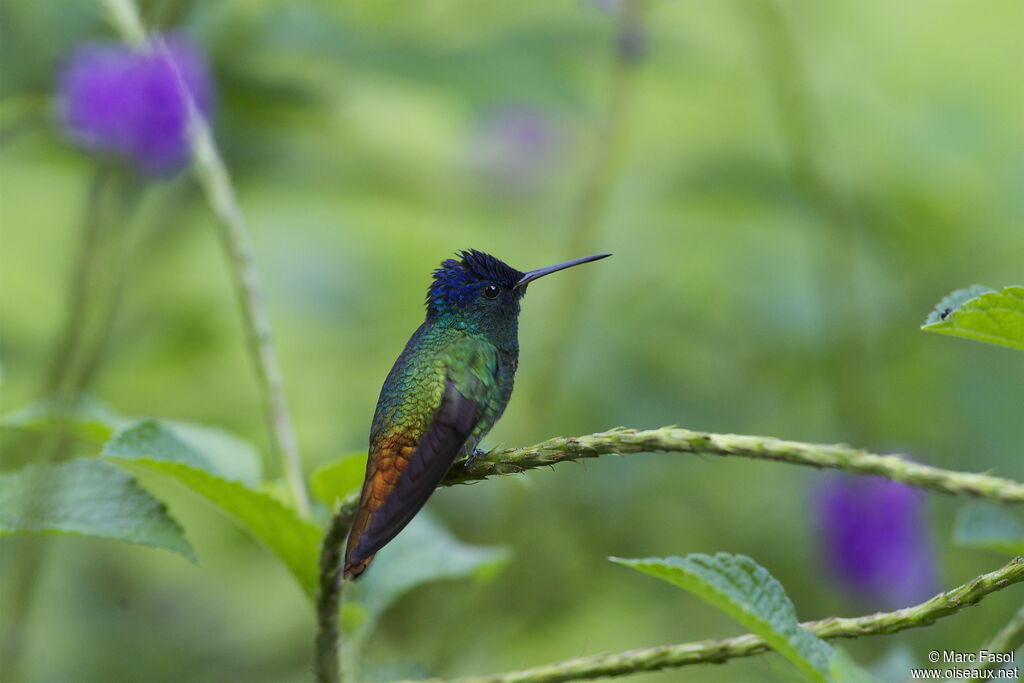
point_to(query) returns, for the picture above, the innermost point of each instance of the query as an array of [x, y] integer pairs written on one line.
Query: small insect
[[945, 313]]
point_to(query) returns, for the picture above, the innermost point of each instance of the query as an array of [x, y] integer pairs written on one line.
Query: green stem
[[118, 271], [622, 441], [672, 439], [830, 225], [80, 284], [124, 15], [595, 191], [72, 371], [718, 651], [328, 598], [1009, 638], [213, 176]]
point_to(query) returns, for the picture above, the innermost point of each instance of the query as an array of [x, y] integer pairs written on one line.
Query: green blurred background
[[788, 188]]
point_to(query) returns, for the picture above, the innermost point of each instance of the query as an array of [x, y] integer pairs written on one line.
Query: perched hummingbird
[[446, 390]]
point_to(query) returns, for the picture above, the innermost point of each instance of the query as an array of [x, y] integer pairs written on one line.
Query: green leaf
[[337, 479], [212, 449], [87, 418], [988, 526], [204, 448], [154, 446], [981, 314], [749, 594], [86, 497], [424, 552], [226, 454]]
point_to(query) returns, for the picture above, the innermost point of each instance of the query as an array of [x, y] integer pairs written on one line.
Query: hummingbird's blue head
[[476, 287], [480, 294]]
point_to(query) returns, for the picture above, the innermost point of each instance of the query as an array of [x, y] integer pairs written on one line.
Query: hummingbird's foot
[[468, 462]]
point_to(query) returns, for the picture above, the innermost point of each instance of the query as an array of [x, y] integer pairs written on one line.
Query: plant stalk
[[73, 369], [215, 181], [622, 441], [595, 191], [718, 651], [1009, 639], [213, 176], [80, 284], [328, 598]]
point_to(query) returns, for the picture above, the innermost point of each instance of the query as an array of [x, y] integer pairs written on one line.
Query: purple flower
[[129, 103], [514, 149], [874, 539]]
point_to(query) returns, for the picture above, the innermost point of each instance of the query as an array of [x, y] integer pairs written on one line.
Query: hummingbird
[[448, 387]]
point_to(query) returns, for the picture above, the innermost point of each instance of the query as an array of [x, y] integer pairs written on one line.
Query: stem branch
[[328, 598], [216, 183], [77, 357], [80, 285], [717, 651], [213, 177], [673, 439], [1009, 638], [595, 190]]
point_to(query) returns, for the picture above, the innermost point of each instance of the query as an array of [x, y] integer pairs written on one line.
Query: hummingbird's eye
[[491, 291]]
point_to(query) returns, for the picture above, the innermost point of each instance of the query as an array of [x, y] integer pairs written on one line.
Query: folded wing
[[404, 469]]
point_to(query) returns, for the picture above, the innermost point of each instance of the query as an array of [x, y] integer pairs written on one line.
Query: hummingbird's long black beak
[[532, 275]]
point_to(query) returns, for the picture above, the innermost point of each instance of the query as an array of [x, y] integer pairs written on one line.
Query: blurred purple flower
[[127, 102], [514, 149], [874, 539]]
